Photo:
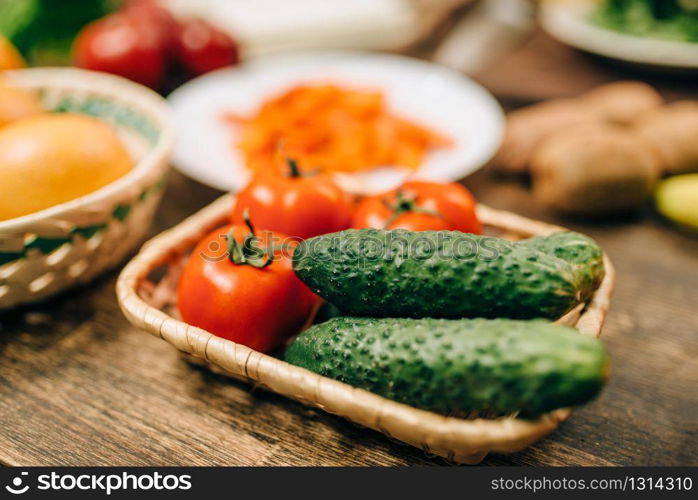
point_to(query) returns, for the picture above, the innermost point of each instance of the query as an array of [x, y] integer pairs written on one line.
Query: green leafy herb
[[664, 19]]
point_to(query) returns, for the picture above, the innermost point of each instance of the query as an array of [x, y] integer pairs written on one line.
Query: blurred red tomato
[[149, 10], [145, 43], [158, 19], [122, 45], [201, 47], [420, 206]]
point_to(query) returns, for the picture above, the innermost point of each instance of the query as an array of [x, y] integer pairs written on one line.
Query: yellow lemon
[[677, 199], [10, 57], [49, 159], [16, 104]]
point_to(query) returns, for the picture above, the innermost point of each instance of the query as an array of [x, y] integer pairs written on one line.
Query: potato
[[622, 102], [594, 170], [673, 131], [528, 126]]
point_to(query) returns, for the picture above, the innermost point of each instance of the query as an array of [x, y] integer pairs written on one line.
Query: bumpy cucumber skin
[[456, 367], [441, 277], [580, 251]]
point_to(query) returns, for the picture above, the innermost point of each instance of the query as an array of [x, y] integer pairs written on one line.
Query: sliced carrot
[[332, 128]]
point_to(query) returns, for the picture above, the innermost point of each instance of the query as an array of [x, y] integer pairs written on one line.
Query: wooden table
[[80, 386]]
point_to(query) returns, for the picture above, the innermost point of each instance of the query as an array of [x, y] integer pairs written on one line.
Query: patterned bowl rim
[[118, 89]]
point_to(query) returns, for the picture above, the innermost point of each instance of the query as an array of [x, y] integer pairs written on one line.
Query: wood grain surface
[[80, 386]]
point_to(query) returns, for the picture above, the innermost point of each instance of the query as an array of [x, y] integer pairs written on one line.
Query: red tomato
[[420, 206], [157, 18], [201, 47], [124, 46], [149, 10], [298, 205], [255, 303]]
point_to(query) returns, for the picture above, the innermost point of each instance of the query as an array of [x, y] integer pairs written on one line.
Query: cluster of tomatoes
[[239, 283], [145, 43]]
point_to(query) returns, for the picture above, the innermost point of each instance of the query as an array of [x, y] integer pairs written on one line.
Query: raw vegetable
[[125, 46], [527, 127], [580, 251], [49, 159], [446, 274], [622, 102], [150, 13], [327, 311], [238, 288], [200, 47], [420, 206], [458, 366], [296, 204], [145, 43], [616, 103], [594, 170], [677, 200], [669, 19], [672, 132], [333, 129]]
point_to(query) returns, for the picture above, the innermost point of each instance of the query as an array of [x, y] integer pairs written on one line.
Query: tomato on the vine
[[420, 206], [241, 286], [296, 204]]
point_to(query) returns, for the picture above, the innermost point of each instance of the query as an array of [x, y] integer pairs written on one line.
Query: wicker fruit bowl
[[146, 293], [51, 250]]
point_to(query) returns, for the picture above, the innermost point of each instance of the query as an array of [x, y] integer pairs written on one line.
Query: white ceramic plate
[[429, 94], [569, 23]]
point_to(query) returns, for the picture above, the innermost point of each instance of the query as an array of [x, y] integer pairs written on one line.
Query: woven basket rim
[[450, 435], [119, 89]]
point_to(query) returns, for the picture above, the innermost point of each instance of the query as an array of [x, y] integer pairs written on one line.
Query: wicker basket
[[48, 251], [146, 291]]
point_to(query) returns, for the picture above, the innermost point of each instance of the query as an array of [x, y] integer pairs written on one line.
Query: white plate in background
[[569, 23], [269, 26], [425, 93]]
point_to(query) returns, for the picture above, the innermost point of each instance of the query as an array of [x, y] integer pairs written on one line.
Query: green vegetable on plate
[[665, 19]]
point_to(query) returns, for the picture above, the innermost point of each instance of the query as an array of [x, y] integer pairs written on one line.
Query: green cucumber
[[456, 367], [580, 251], [442, 274], [326, 312]]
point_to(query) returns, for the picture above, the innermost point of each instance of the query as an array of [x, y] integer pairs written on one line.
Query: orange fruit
[[49, 159], [10, 58], [16, 104]]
